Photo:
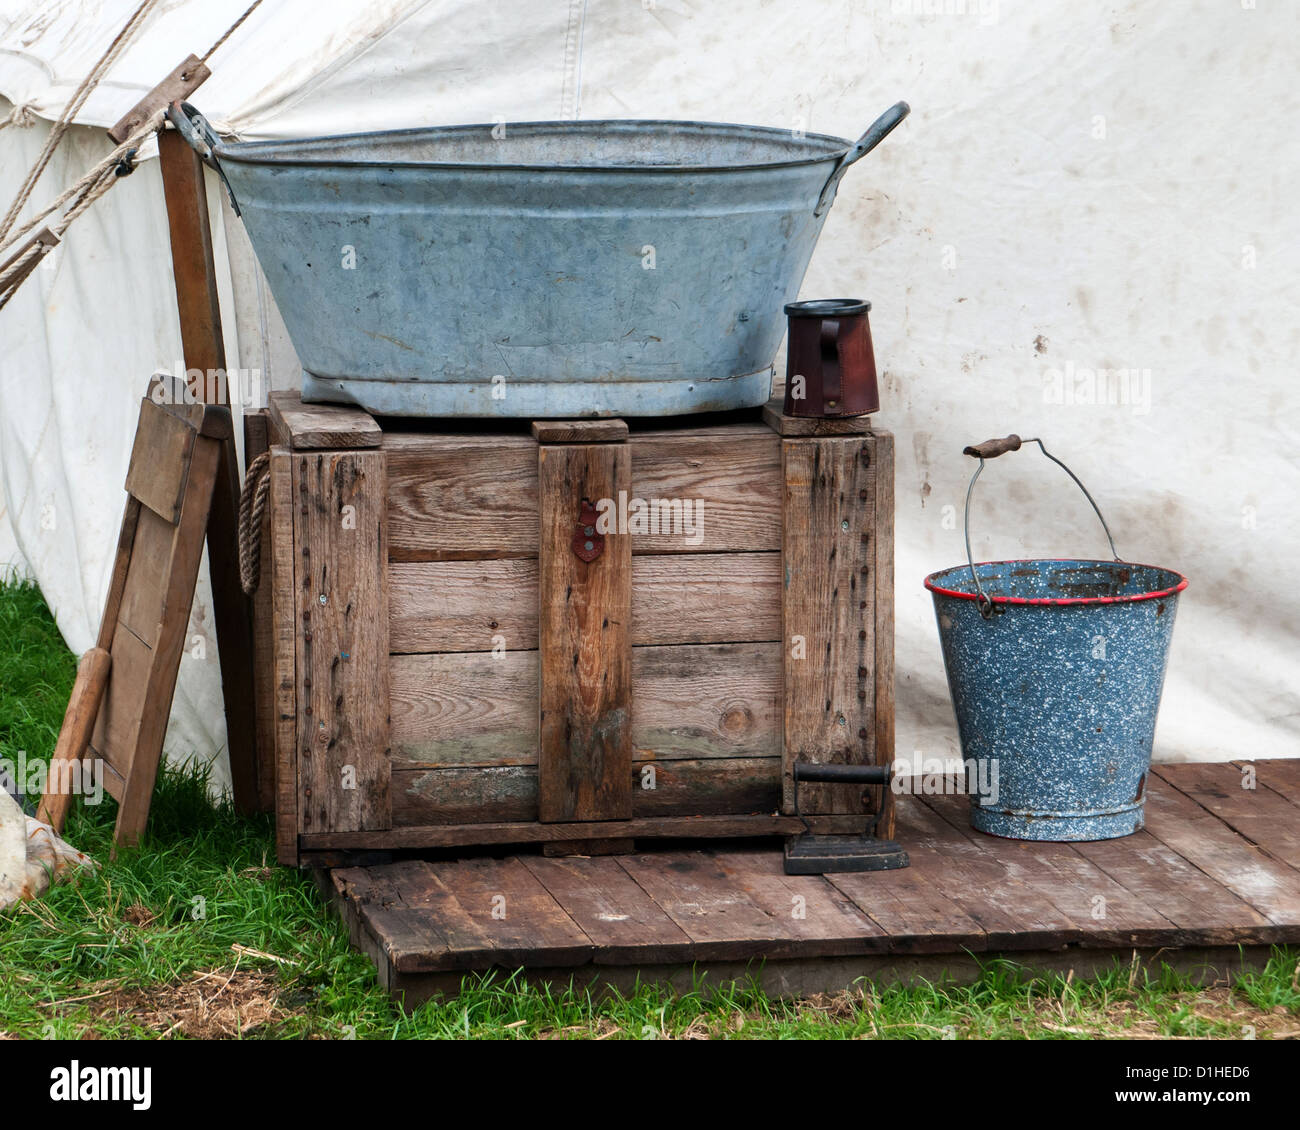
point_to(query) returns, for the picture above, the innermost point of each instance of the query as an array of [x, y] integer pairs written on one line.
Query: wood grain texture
[[880, 550], [461, 497], [284, 653], [185, 78], [691, 702], [828, 613], [579, 431], [160, 461], [203, 348], [458, 497], [736, 475], [132, 721], [341, 617], [584, 644], [775, 418], [74, 734], [713, 911], [463, 606], [320, 427], [510, 793], [327, 846]]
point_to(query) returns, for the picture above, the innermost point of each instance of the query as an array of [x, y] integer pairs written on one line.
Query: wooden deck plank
[[909, 906], [1210, 845], [1205, 912], [812, 909], [723, 918], [1190, 886], [1105, 912], [1011, 913], [1266, 819], [624, 924], [1280, 774]]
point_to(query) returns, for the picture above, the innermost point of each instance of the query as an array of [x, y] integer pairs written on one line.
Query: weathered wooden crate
[[439, 666]]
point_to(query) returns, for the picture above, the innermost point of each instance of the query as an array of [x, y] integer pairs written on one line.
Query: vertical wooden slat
[[341, 622], [279, 579], [882, 558], [585, 613], [828, 613], [204, 349]]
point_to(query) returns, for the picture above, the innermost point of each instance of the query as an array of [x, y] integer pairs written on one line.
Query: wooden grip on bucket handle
[[991, 449]]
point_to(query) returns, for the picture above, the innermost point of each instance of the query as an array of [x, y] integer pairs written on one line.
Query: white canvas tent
[[1079, 188]]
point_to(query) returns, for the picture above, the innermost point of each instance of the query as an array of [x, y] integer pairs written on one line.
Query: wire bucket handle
[[991, 449]]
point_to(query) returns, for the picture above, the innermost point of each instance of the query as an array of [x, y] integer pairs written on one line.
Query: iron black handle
[[842, 774]]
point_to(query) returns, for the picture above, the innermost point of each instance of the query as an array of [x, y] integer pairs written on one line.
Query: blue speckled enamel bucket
[[1055, 669]]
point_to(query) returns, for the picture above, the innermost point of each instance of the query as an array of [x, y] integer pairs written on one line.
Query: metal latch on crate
[[809, 854]]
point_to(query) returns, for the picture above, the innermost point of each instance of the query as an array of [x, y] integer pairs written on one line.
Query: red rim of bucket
[[1131, 599]]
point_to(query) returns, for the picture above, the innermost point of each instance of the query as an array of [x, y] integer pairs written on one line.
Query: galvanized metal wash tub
[[1055, 669], [537, 269]]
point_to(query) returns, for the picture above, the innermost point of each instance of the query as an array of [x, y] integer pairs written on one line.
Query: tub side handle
[[876, 133], [200, 137]]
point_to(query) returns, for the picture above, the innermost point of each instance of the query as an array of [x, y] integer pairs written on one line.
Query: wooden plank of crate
[[1209, 844], [1266, 819], [691, 702], [341, 621], [880, 552], [775, 418], [828, 613], [579, 431], [321, 427], [697, 598], [624, 924], [474, 709], [282, 567], [1107, 912], [461, 497], [509, 793], [735, 475], [470, 497], [323, 845], [585, 613], [256, 443], [710, 700]]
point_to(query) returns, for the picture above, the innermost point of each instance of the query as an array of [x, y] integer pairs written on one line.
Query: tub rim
[[263, 152]]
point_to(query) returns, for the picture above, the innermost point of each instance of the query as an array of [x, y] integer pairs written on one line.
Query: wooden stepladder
[[122, 697]]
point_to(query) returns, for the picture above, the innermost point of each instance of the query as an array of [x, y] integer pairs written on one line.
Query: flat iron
[[810, 854]]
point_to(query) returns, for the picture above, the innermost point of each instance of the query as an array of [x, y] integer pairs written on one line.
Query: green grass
[[144, 946]]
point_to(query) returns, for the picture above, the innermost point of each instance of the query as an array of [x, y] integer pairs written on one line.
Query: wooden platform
[[1211, 883]]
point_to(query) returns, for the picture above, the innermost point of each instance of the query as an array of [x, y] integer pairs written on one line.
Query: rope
[[95, 183], [75, 103], [231, 30], [252, 508], [82, 195], [21, 116]]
